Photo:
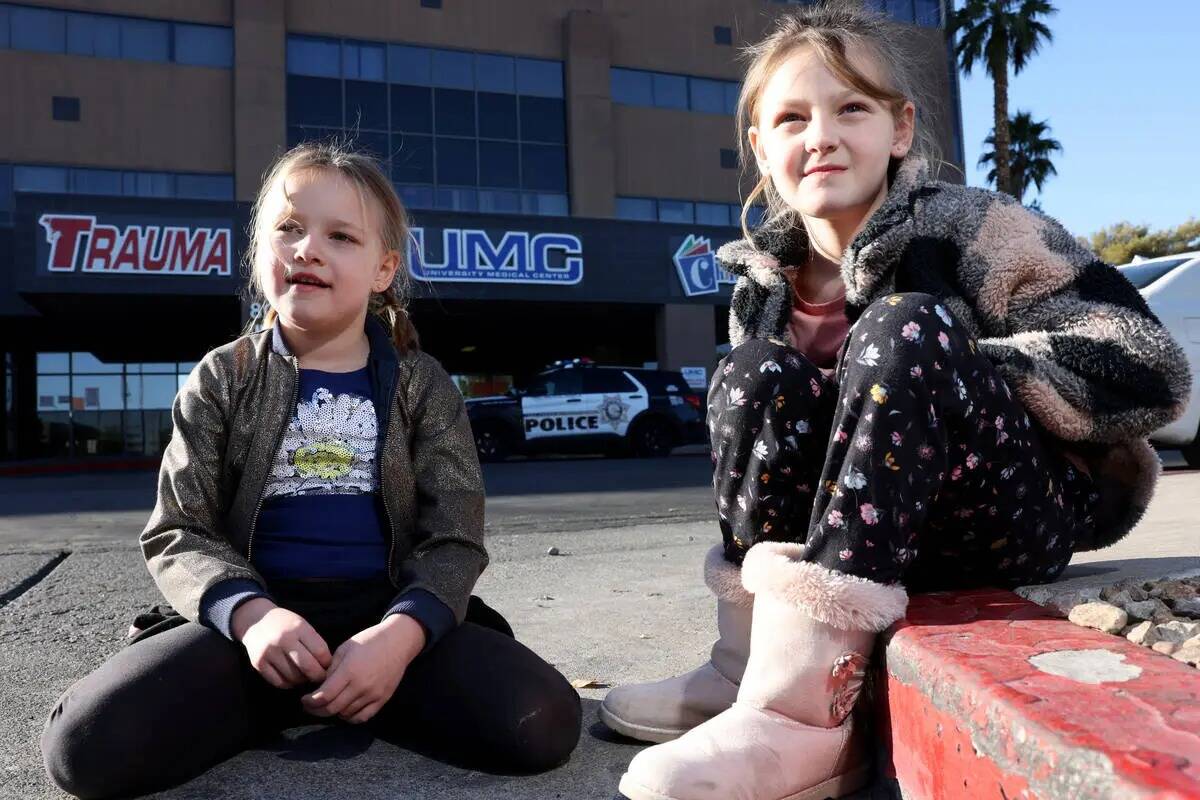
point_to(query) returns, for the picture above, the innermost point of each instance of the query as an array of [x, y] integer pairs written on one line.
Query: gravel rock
[[1175, 589], [1154, 610], [1189, 652], [1177, 631], [1142, 634], [1099, 615], [1188, 607], [1166, 648], [553, 551]]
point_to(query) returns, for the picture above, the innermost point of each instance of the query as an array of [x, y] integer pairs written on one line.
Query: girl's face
[[326, 256], [825, 145]]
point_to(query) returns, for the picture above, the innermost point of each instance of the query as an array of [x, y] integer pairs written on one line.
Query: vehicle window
[[554, 383], [1144, 274], [606, 381], [662, 382]]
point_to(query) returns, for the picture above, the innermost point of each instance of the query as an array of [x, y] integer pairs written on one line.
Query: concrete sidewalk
[[621, 604]]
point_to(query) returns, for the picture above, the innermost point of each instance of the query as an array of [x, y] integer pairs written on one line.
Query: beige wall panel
[[133, 114], [260, 91], [665, 153], [212, 12], [589, 115]]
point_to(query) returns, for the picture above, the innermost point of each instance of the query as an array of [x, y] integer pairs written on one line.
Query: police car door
[[615, 397], [553, 405]]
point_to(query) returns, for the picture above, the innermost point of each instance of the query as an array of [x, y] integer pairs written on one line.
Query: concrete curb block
[[985, 694]]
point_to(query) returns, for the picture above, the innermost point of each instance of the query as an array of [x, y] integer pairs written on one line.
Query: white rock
[[1166, 648], [1143, 634], [1099, 615], [1189, 652]]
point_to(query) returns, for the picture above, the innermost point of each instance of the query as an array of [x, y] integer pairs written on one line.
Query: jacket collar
[[383, 352], [771, 249]]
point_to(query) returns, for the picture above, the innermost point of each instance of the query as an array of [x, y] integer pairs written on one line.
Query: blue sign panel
[[477, 256]]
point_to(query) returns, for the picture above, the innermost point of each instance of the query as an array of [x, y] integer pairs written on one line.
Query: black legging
[[918, 465], [166, 708]]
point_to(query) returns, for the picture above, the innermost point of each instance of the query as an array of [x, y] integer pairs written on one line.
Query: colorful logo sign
[[696, 264], [473, 256], [79, 242]]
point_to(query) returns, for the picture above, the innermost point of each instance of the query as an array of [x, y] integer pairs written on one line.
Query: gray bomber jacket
[[228, 421]]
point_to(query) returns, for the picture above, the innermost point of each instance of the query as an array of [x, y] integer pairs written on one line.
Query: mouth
[[824, 168], [306, 279]]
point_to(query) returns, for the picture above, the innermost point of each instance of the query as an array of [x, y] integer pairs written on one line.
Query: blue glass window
[[366, 105], [452, 199], [639, 208], [545, 204], [372, 144], [495, 73], [91, 35], [707, 96], [539, 78], [456, 162], [454, 112], [544, 167], [6, 180], [96, 181], [38, 29], [631, 87], [675, 211], [498, 115], [670, 91], [204, 187], [498, 164], [145, 40], [147, 184], [410, 65], [314, 101], [5, 26], [732, 90], [412, 159], [363, 61], [412, 109], [300, 133], [901, 10], [543, 120], [40, 179], [453, 70], [416, 196], [712, 214], [499, 202], [203, 45], [929, 13], [310, 56]]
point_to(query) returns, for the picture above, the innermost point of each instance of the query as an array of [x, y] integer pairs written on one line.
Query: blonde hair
[[834, 30], [369, 180]]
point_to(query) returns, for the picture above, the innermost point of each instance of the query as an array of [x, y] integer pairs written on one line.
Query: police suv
[[577, 406]]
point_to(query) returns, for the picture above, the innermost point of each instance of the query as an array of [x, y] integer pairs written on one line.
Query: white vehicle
[[1171, 286]]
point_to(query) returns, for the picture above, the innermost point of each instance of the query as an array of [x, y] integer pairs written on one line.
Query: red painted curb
[[966, 714]]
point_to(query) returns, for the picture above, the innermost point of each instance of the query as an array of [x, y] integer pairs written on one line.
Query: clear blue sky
[[1120, 87]]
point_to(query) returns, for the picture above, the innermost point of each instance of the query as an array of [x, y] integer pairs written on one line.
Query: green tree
[[996, 32], [1030, 149], [1119, 243]]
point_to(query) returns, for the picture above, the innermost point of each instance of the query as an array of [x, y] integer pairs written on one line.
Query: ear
[[760, 153], [387, 271], [905, 129]]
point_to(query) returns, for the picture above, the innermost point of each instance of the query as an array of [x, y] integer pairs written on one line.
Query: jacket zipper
[[387, 513], [287, 418]]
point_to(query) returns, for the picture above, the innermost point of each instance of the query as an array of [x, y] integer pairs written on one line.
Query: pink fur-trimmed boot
[[790, 735], [667, 709]]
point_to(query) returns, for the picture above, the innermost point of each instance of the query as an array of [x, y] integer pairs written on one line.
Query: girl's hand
[[366, 670], [282, 646]]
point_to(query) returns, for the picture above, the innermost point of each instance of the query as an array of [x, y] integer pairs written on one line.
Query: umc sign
[[79, 242], [473, 256]]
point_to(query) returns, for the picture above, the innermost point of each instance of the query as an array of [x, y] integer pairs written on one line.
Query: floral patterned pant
[[918, 465]]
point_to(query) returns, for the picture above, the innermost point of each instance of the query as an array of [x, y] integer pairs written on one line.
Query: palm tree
[[1030, 149], [996, 32]]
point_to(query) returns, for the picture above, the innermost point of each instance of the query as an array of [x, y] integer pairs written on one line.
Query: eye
[[343, 237], [853, 107], [287, 226], [788, 116]]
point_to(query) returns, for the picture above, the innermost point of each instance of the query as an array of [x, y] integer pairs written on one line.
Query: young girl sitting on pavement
[[320, 525], [931, 386]]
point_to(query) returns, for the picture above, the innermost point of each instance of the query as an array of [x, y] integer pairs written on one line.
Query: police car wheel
[[491, 444], [651, 439]]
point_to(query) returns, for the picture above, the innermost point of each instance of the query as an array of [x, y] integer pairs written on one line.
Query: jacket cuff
[[222, 599], [434, 616]]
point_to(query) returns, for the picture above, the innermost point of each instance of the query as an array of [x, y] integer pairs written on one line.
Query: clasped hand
[[355, 680]]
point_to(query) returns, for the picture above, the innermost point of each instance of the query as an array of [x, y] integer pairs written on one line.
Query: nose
[[306, 250], [820, 135]]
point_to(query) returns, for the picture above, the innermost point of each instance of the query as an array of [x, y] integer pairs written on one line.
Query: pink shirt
[[818, 329]]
